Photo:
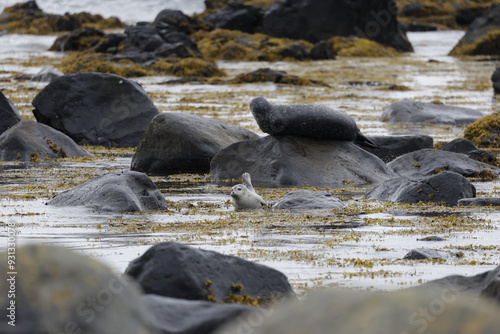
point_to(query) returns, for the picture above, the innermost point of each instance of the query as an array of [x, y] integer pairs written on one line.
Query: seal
[[244, 195], [307, 120]]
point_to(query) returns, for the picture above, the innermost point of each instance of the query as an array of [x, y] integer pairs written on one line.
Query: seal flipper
[[365, 142], [247, 181]]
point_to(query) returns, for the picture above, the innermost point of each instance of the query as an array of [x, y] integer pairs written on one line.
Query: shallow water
[[200, 212]]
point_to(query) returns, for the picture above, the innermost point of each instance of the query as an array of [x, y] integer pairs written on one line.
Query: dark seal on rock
[[117, 192], [307, 120]]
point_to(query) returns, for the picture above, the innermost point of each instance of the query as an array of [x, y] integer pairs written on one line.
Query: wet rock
[[483, 201], [308, 200], [485, 131], [60, 291], [32, 141], [495, 78], [408, 111], [429, 161], [364, 312], [483, 156], [482, 37], [322, 51], [445, 188], [315, 20], [116, 192], [465, 16], [391, 147], [460, 145], [175, 270], [270, 75], [78, 40], [179, 316], [184, 143], [433, 237], [96, 109], [46, 74], [237, 16], [484, 285], [296, 161], [174, 18], [421, 27], [9, 114], [424, 254]]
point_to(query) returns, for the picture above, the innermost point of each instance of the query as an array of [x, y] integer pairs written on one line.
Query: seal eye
[[239, 188]]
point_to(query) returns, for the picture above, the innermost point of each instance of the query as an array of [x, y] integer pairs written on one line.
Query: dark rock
[[471, 286], [184, 143], [445, 187], [117, 192], [109, 43], [467, 15], [296, 161], [391, 147], [237, 16], [460, 145], [60, 291], [414, 27], [424, 254], [9, 114], [412, 10], [308, 200], [31, 141], [429, 161], [322, 51], [316, 20], [46, 74], [270, 75], [481, 38], [307, 120], [483, 156], [433, 237], [177, 316], [495, 78], [77, 40], [175, 270], [407, 111], [174, 18], [349, 312], [96, 109], [295, 51], [484, 201]]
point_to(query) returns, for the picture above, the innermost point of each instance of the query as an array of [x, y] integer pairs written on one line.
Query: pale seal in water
[[307, 120], [244, 196]]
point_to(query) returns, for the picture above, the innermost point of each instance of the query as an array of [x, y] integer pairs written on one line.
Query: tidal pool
[[312, 248]]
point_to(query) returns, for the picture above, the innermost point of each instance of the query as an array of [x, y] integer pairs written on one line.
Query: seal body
[[244, 195], [307, 120]]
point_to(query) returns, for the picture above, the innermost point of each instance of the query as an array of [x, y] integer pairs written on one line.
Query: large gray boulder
[[31, 141], [408, 111], [309, 200], [297, 161], [175, 270], [178, 316], [445, 188], [429, 161], [184, 143], [495, 78], [56, 290], [9, 114], [391, 147], [316, 20], [117, 192], [96, 109]]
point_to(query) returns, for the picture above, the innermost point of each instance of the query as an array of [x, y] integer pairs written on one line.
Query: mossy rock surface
[[485, 131], [360, 47]]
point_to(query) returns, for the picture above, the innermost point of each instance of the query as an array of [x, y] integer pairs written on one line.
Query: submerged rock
[[184, 143], [429, 161], [117, 192], [309, 200], [299, 161], [9, 114], [96, 109], [408, 111], [483, 35], [391, 147], [60, 291], [483, 201], [32, 141], [424, 254], [179, 316], [175, 270], [445, 188], [316, 20]]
